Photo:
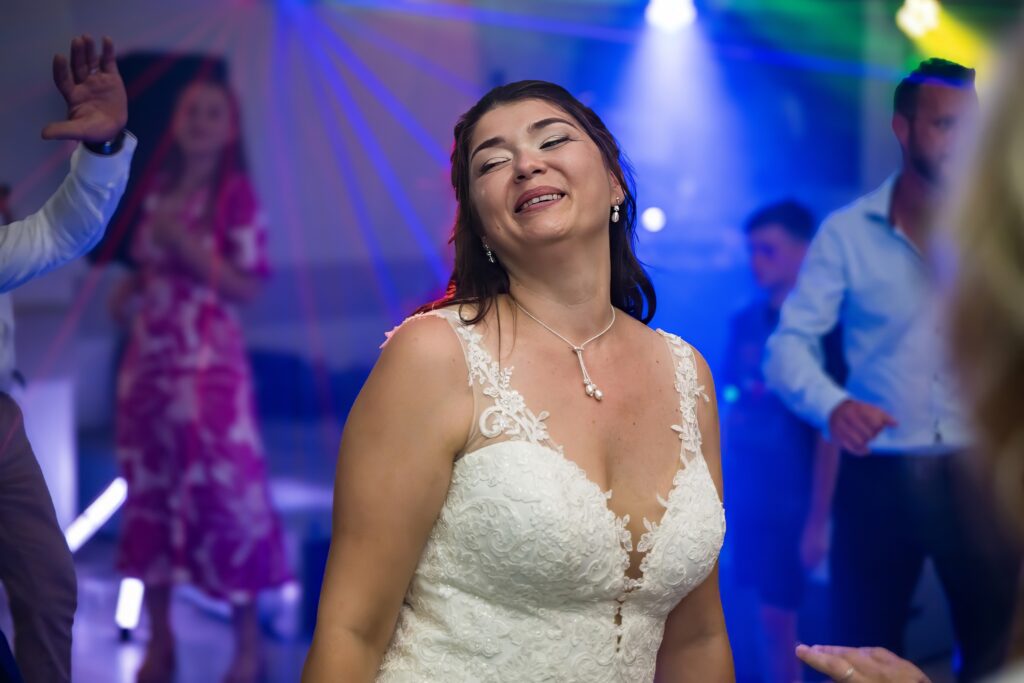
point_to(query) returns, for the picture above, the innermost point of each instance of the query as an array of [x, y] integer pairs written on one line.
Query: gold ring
[[849, 674]]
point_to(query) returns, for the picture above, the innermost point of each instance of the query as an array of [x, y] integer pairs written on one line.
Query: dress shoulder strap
[[690, 390], [500, 413], [462, 331], [480, 370]]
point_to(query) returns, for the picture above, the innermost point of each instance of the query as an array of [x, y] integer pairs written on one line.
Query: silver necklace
[[588, 384]]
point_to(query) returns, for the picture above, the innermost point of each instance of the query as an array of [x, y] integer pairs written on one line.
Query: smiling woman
[[479, 537], [554, 120]]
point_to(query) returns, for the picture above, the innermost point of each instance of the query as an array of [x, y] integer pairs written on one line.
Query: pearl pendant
[[588, 384]]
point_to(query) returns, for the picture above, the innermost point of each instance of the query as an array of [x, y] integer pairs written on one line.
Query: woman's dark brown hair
[[477, 281]]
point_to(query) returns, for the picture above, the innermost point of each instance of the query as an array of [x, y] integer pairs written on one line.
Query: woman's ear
[[616, 189]]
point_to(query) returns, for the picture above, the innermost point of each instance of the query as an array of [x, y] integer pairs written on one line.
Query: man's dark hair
[[5, 190], [940, 71], [792, 216]]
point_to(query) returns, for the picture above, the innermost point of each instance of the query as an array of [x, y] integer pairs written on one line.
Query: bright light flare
[[918, 17], [129, 603], [936, 32], [653, 219], [96, 515], [670, 15]]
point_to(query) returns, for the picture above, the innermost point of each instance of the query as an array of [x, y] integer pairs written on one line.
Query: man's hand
[[860, 665], [853, 424], [94, 91]]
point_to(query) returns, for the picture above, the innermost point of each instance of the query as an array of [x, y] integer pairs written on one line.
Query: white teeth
[[538, 200]]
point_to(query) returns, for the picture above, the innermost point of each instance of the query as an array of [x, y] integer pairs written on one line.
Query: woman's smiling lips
[[538, 198]]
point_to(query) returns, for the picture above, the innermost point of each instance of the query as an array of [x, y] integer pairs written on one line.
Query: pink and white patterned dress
[[198, 507]]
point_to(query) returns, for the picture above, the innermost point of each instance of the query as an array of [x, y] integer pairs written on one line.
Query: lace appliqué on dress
[[524, 576]]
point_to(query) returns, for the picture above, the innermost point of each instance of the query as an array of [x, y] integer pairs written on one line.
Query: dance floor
[[302, 471]]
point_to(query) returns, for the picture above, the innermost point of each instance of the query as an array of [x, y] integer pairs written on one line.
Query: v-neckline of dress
[[533, 430]]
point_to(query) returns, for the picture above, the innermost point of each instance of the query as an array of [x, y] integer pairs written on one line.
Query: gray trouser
[[35, 564]]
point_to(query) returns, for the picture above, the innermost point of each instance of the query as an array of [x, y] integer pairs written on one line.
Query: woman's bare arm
[[409, 422], [695, 646]]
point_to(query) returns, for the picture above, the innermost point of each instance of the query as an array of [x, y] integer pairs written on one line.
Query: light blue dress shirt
[[864, 273]]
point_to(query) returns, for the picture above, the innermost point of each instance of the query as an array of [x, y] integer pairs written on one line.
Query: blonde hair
[[987, 298]]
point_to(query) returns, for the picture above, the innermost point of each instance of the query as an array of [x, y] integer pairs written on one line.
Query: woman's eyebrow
[[490, 142], [544, 123]]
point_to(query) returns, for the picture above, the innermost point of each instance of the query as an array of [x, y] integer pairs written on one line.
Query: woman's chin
[[543, 232]]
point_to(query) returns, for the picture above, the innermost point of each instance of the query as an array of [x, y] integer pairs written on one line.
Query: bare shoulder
[[704, 375], [422, 367], [638, 331], [700, 363], [425, 343], [420, 380]]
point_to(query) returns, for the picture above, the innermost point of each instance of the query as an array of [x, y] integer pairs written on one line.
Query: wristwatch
[[107, 148]]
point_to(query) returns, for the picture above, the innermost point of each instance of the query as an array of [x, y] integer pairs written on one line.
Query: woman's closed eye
[[491, 164], [555, 141], [550, 143]]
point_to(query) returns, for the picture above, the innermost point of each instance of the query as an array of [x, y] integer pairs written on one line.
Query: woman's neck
[[571, 293], [198, 171]]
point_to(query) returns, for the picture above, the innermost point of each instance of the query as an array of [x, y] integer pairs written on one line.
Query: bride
[[529, 484]]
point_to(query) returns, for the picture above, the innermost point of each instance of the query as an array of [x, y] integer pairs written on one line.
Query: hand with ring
[[860, 664]]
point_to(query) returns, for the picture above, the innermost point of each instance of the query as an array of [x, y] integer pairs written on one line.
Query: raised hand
[[94, 91]]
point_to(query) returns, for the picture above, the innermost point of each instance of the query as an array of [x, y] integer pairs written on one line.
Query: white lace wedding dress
[[524, 576]]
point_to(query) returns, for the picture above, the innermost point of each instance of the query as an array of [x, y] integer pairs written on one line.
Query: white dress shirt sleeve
[[71, 222], [794, 360]]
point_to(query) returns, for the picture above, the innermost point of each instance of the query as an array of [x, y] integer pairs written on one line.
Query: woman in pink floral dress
[[198, 509]]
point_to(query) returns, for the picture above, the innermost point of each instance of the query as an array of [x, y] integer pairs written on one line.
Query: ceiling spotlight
[[918, 17], [670, 15]]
